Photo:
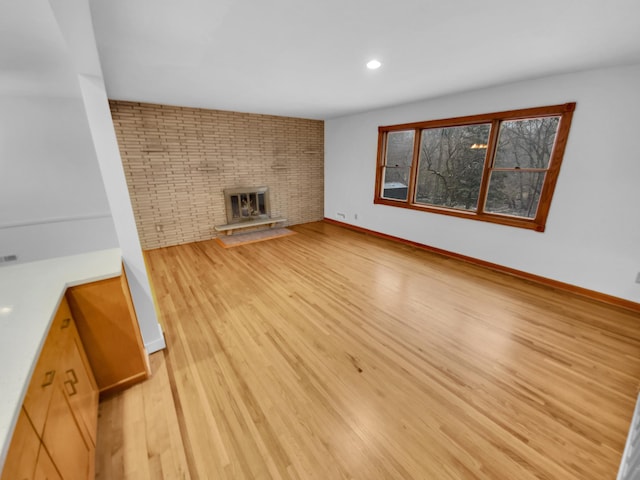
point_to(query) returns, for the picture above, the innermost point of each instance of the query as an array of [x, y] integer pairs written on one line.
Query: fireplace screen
[[244, 204]]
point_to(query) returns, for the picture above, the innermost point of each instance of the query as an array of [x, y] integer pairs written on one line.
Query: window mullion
[[382, 149], [413, 175], [488, 163]]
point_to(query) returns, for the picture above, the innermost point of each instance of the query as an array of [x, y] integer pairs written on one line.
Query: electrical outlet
[[638, 278], [158, 228], [341, 215], [355, 216]]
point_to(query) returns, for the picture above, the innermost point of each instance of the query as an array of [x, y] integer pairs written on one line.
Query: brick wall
[[178, 160]]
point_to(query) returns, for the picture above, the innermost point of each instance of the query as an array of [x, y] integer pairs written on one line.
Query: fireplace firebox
[[247, 208], [246, 204]]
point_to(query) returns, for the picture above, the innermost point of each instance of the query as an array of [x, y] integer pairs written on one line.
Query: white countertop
[[30, 294]]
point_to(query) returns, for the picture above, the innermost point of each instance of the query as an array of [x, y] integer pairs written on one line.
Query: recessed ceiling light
[[373, 64]]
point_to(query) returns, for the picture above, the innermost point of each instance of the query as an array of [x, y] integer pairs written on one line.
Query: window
[[499, 167]]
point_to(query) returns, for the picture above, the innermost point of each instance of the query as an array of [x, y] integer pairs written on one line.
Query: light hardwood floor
[[331, 354]]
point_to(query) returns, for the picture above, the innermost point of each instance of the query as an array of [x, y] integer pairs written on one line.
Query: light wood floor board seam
[[184, 436]]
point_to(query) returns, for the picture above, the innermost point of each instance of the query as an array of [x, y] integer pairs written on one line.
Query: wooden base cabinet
[[46, 373], [108, 327], [55, 437], [63, 439], [80, 389], [59, 417], [23, 451]]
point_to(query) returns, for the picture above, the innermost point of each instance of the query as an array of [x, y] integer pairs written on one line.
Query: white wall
[[52, 199], [592, 236]]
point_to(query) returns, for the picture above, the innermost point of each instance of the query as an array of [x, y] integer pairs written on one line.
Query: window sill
[[481, 217]]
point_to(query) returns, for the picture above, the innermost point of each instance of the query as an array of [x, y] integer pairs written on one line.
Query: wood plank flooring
[[335, 355]]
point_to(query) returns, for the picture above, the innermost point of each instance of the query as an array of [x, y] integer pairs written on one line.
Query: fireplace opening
[[245, 204], [247, 208]]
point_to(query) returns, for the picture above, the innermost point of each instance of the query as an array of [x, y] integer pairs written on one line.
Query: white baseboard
[[156, 344]]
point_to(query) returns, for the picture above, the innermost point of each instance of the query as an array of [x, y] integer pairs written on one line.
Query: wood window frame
[[538, 223]]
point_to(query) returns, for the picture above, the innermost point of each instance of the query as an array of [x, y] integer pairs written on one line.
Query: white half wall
[[58, 237], [74, 20], [106, 144], [592, 236], [52, 199]]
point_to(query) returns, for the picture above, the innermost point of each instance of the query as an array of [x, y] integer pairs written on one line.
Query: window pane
[[400, 148], [514, 193], [526, 143], [398, 164], [395, 183], [451, 163]]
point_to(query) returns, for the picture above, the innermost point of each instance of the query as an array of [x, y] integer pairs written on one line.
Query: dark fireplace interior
[[244, 204]]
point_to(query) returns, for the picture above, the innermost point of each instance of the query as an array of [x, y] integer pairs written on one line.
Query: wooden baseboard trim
[[592, 294]]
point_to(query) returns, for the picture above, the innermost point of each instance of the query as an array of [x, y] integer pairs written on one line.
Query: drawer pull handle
[[73, 388], [71, 382], [72, 373], [48, 378], [65, 323]]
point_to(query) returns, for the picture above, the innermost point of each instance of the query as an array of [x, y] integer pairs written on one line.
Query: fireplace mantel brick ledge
[[229, 228]]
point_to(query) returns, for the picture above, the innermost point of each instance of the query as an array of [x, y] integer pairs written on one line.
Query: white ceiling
[[307, 59], [33, 54]]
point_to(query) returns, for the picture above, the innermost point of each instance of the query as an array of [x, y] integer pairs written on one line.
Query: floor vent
[[630, 464], [8, 258]]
